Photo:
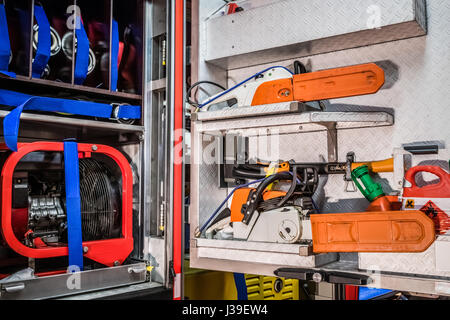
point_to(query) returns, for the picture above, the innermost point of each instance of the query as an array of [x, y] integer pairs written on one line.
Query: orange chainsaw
[[278, 84], [263, 215]]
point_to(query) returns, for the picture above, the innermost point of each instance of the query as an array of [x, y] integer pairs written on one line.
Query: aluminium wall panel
[[292, 28]]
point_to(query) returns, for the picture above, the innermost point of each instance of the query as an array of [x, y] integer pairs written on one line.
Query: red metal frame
[[351, 292], [178, 187], [108, 252]]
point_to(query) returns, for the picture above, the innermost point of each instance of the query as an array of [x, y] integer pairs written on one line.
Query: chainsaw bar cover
[[390, 231]]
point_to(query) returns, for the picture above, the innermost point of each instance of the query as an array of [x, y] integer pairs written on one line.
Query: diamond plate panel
[[416, 93], [284, 259], [210, 196], [292, 146], [249, 37], [423, 263]]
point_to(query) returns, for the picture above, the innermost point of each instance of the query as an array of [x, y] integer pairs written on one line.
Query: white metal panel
[[416, 93], [292, 28]]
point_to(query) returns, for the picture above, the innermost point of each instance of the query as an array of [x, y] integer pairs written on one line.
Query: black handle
[[348, 278], [327, 276], [295, 273]]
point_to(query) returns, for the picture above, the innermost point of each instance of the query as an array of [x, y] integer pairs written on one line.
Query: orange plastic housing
[[385, 203], [240, 197], [376, 166], [321, 85], [391, 231], [275, 91]]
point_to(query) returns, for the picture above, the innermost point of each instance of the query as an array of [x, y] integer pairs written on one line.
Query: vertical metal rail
[[177, 107], [30, 62], [147, 145], [111, 17], [143, 140], [76, 13], [156, 189]]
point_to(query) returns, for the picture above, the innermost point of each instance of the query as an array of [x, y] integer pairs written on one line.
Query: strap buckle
[[115, 114]]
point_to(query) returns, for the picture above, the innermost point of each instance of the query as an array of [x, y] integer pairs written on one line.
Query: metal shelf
[[22, 82], [76, 122], [262, 110], [286, 118], [158, 85], [260, 252], [93, 280]]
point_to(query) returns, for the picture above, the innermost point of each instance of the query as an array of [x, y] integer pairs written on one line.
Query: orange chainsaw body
[[382, 228], [321, 85], [240, 197]]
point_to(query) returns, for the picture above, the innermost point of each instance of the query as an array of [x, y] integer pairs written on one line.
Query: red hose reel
[[108, 252]]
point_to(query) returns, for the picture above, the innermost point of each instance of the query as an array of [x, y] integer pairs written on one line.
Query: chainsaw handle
[[410, 176]]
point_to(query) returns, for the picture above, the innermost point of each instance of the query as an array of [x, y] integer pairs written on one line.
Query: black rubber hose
[[263, 185], [188, 95], [299, 67], [291, 189], [242, 174]]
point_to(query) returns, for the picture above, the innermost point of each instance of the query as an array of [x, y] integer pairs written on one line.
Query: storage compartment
[[18, 16], [60, 124], [60, 16], [96, 19], [239, 51], [130, 62], [270, 137], [105, 32]]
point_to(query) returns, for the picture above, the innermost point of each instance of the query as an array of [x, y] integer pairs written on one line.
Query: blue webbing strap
[[5, 46], [114, 55], [82, 53], [44, 42], [371, 293], [73, 204], [241, 286], [11, 126], [23, 102]]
